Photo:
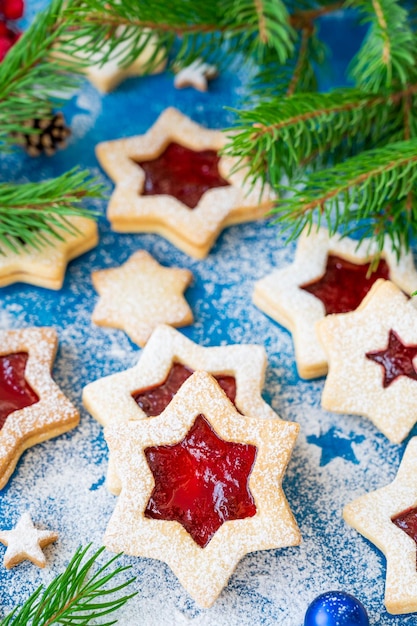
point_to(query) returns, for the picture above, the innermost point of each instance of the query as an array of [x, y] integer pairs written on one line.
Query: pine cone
[[53, 135]]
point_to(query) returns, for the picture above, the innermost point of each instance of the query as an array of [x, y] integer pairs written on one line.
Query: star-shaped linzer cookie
[[32, 407], [139, 295], [171, 181], [25, 543], [388, 518], [329, 275], [46, 267], [167, 360], [232, 460], [372, 360]]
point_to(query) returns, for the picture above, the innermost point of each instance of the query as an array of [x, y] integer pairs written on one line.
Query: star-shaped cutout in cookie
[[355, 382], [124, 396], [284, 294], [396, 359], [202, 571], [25, 543], [192, 230], [46, 267], [139, 295], [374, 516], [32, 407], [334, 443]]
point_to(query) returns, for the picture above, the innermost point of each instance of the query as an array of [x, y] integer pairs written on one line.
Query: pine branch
[[30, 79], [279, 137], [388, 54], [371, 191], [73, 598], [33, 213]]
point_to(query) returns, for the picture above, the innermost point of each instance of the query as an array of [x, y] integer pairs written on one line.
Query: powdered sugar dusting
[[61, 481]]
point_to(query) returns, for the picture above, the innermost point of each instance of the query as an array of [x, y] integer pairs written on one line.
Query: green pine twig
[[388, 55], [369, 193], [75, 596], [31, 212]]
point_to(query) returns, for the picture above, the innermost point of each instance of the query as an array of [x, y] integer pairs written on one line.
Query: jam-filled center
[[15, 392], [155, 399], [396, 359], [407, 521], [344, 285], [182, 173], [201, 482]]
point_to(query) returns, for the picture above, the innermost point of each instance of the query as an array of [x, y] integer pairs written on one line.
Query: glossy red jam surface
[[201, 481], [344, 285], [407, 521], [155, 399], [15, 393], [182, 173], [396, 359]]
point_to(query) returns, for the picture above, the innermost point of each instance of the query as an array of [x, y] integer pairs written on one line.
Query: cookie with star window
[[201, 486], [32, 407], [372, 355], [329, 275], [388, 518], [166, 362], [173, 182]]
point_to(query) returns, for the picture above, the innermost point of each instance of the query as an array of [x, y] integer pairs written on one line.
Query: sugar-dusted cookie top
[[230, 466], [328, 275], [46, 267], [167, 360], [139, 295], [172, 181], [32, 407], [372, 360], [388, 518]]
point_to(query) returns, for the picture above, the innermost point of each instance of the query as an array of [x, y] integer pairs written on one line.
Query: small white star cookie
[[121, 397], [32, 407], [196, 75], [281, 295], [139, 295], [383, 330], [25, 543], [46, 267], [193, 230], [203, 567], [384, 516]]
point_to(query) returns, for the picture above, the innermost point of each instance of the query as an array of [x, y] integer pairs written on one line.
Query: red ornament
[[13, 9]]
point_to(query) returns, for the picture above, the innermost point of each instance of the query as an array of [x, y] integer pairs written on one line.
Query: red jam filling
[[396, 359], [344, 285], [182, 173], [15, 393], [155, 399], [201, 482], [407, 521]]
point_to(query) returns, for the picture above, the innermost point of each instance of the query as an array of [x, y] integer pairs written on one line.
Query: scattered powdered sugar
[[61, 482]]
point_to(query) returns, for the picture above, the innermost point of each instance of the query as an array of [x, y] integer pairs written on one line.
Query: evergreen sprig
[[388, 54], [30, 80], [32, 214], [76, 596], [367, 192]]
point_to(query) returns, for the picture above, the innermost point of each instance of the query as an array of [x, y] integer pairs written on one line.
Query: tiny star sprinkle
[[25, 543], [139, 295]]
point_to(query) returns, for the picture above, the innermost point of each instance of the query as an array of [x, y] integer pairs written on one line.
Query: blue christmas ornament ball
[[336, 608]]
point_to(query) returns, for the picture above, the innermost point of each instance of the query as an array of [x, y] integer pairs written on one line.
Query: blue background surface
[[336, 457]]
